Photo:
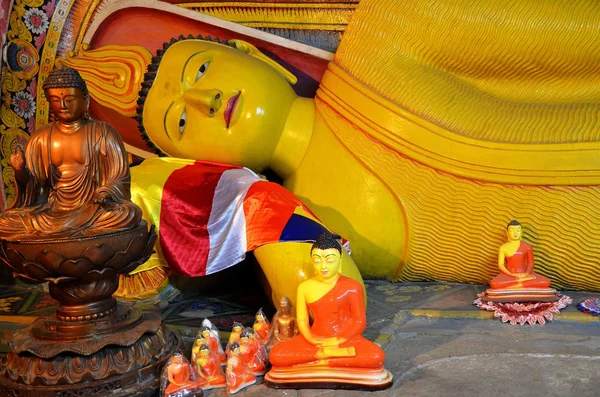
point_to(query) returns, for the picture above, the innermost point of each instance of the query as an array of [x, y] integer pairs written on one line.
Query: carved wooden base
[[132, 371], [120, 355]]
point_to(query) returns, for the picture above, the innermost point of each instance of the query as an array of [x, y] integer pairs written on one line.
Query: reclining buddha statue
[[412, 139]]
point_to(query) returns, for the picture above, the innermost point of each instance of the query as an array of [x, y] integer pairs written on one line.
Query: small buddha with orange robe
[[331, 352], [180, 377], [234, 336], [208, 368], [261, 325], [250, 350], [517, 281], [238, 374], [214, 344]]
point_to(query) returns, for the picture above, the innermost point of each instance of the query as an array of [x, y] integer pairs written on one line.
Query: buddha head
[[199, 340], [206, 332], [177, 359], [204, 351], [326, 255], [260, 317], [235, 349], [237, 327], [67, 94], [215, 100], [514, 231], [245, 338], [285, 305]]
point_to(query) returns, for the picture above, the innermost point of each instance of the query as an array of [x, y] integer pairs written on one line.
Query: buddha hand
[[17, 158], [102, 198], [331, 342]]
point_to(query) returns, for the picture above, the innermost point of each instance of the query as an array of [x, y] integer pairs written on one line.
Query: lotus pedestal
[[91, 346]]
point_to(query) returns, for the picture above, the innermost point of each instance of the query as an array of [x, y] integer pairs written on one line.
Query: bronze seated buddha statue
[[73, 225], [73, 179]]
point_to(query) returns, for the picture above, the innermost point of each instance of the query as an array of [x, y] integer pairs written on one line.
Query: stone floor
[[436, 341]]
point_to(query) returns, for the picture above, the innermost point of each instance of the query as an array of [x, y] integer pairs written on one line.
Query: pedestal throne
[[73, 226]]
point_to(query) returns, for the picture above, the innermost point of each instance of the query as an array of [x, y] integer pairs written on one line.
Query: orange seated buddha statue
[[208, 368], [262, 326], [178, 378], [517, 281], [238, 375], [331, 352]]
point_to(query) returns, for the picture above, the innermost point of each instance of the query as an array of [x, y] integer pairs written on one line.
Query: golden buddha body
[[284, 323], [73, 178]]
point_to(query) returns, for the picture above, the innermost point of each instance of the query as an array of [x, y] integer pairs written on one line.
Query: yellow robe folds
[[467, 114]]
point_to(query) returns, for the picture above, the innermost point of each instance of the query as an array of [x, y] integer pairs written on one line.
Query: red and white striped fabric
[[209, 214]]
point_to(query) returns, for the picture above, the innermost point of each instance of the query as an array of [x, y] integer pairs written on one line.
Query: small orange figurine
[[259, 346], [517, 282], [214, 343], [518, 295], [234, 336], [262, 326], [331, 353], [250, 350], [238, 375], [209, 369], [199, 341], [178, 378]]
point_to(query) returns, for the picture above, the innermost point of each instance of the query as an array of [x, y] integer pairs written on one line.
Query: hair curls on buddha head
[[150, 75], [65, 77], [327, 240], [513, 223]]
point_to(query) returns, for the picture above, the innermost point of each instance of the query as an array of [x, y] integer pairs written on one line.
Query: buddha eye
[[202, 70], [182, 122]]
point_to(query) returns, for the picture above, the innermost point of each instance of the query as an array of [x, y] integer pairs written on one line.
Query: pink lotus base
[[521, 313]]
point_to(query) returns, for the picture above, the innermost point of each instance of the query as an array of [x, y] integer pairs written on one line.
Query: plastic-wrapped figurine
[[208, 368], [517, 294], [259, 345], [238, 374], [199, 341], [284, 323], [234, 336], [251, 351], [211, 336], [330, 353], [262, 326], [179, 378]]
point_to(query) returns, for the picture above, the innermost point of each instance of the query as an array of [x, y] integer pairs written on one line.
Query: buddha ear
[[251, 50]]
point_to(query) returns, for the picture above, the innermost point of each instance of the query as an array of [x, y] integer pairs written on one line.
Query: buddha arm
[[359, 316], [114, 177], [502, 263], [302, 316], [529, 260]]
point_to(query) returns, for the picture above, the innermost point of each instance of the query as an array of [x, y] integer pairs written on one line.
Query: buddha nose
[[207, 101]]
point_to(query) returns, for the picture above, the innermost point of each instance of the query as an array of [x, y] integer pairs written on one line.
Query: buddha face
[[514, 233], [284, 304], [259, 319], [204, 353], [327, 263], [237, 328], [205, 334], [245, 340], [67, 104], [212, 102]]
